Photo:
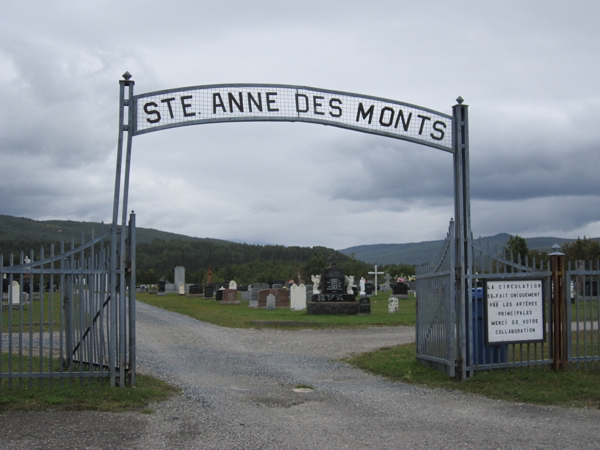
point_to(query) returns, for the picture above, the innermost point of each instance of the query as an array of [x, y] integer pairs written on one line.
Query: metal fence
[[570, 312], [70, 315], [582, 281], [436, 330], [499, 264]]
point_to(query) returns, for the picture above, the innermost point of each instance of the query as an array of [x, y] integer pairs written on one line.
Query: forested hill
[[420, 252], [22, 229]]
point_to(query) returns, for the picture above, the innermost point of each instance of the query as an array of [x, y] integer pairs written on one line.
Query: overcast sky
[[529, 71]]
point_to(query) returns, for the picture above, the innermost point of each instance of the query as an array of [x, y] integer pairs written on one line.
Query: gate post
[[462, 214], [559, 335]]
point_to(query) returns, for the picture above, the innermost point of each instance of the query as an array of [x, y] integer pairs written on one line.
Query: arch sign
[[259, 102]]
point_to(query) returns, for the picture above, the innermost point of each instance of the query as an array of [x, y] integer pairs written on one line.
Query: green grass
[[530, 385], [93, 395], [241, 316]]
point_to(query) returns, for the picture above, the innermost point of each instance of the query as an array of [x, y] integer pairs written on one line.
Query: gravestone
[[392, 305], [387, 287], [181, 289], [298, 297], [400, 290], [179, 276], [333, 298], [364, 305], [350, 285], [271, 302], [15, 291], [369, 287], [208, 291], [253, 303], [232, 285], [277, 286], [161, 287], [229, 297], [196, 290], [246, 295], [282, 298], [220, 294]]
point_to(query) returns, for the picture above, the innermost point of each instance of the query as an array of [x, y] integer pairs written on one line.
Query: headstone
[[333, 280], [232, 285], [208, 292], [209, 275], [316, 279], [196, 289], [369, 287], [179, 277], [270, 302], [161, 287], [400, 290], [282, 298], [392, 305], [253, 304], [181, 289], [298, 297], [364, 305], [15, 292], [277, 286], [229, 297], [220, 294], [387, 287], [246, 296]]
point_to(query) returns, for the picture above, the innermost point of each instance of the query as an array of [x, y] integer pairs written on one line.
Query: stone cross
[[375, 273]]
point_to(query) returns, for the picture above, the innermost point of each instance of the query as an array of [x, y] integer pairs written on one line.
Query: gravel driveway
[[238, 393]]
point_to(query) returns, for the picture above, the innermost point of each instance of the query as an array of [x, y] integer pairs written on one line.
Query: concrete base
[[334, 308]]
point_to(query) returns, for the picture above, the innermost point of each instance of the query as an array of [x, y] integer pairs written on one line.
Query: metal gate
[[436, 306], [70, 315]]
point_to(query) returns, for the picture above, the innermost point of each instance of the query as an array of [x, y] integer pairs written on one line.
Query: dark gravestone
[[333, 308], [208, 292], [369, 288], [333, 298], [220, 294], [196, 289], [364, 305], [400, 289], [161, 286], [333, 281]]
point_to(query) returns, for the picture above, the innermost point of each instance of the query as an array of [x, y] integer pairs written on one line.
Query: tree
[[582, 250], [517, 246]]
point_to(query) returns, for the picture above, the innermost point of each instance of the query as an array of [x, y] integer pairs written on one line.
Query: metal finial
[[460, 100], [127, 76]]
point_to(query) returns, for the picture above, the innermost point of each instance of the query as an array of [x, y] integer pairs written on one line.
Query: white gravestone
[[387, 287], [362, 286], [15, 289], [298, 297], [316, 279], [392, 305], [350, 283], [181, 289], [270, 302], [232, 285]]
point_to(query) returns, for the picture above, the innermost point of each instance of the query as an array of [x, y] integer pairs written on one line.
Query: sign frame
[[539, 309]]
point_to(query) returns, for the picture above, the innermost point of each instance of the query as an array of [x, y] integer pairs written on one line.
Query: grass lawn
[[579, 388], [241, 316]]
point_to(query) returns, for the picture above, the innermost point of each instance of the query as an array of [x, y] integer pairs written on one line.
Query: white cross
[[376, 273]]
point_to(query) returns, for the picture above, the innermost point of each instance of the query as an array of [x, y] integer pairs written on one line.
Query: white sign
[[514, 311], [154, 111]]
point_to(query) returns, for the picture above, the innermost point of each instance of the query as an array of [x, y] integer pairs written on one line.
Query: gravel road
[[238, 393]]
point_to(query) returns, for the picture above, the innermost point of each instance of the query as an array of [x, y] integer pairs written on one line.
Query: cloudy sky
[[528, 69]]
